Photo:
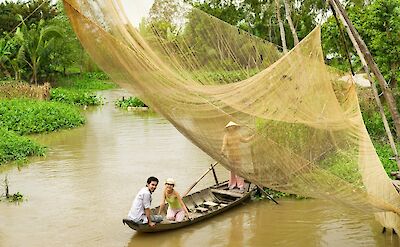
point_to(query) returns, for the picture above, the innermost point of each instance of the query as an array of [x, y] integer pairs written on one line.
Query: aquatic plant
[[130, 102], [25, 116], [15, 147]]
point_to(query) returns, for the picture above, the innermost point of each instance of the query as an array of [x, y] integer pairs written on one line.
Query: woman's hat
[[170, 181], [231, 123]]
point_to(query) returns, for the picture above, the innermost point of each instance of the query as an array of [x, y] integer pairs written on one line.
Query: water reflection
[[78, 194]]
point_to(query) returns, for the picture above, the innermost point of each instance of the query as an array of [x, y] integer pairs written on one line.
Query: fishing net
[[300, 127]]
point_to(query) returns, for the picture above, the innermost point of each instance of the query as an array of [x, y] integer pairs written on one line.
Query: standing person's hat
[[170, 181], [231, 123]]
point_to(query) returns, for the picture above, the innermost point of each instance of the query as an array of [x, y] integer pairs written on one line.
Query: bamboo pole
[[200, 178], [373, 86], [366, 58]]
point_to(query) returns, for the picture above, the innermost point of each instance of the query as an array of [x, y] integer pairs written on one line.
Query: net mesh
[[299, 129]]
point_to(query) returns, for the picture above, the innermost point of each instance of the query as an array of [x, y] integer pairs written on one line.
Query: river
[[78, 194]]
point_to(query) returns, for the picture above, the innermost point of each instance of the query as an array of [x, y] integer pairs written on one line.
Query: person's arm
[[247, 139], [146, 205], [182, 204], [162, 205], [224, 143], [148, 213]]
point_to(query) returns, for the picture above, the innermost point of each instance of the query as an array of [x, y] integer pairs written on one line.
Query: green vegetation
[[275, 194], [22, 116], [25, 116], [80, 89], [344, 166], [77, 97], [16, 197], [37, 42], [14, 147], [129, 102]]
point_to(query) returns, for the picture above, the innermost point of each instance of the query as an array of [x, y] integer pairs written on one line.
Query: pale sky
[[134, 9]]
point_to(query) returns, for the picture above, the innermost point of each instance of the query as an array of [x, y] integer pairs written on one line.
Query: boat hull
[[202, 205]]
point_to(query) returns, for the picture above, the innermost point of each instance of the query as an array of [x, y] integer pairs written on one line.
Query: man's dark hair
[[151, 179]]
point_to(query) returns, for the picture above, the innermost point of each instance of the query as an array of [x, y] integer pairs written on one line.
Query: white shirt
[[141, 201]]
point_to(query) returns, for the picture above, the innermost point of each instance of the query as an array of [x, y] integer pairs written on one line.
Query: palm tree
[[36, 44]]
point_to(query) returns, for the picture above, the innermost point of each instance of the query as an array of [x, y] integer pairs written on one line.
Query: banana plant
[[36, 42], [5, 53]]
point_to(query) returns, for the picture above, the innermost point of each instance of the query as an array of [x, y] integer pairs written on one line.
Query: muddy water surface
[[79, 193]]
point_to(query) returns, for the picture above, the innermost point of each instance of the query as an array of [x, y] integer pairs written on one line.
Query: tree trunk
[[5, 71], [393, 79], [367, 60], [281, 28], [270, 29], [289, 19], [34, 72]]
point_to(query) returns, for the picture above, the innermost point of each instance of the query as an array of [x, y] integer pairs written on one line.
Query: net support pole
[[215, 175], [368, 62], [200, 178]]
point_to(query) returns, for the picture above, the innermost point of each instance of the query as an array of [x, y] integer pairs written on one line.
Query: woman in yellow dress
[[176, 208], [231, 149]]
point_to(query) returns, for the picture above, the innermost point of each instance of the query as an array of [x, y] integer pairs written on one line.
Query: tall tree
[[290, 22], [280, 23], [32, 12]]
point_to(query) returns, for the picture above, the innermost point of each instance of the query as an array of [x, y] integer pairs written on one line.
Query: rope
[[22, 21]]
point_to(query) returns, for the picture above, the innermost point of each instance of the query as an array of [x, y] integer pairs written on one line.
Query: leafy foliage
[[9, 11], [379, 26], [16, 147], [130, 102], [32, 116], [36, 42], [74, 96], [79, 89]]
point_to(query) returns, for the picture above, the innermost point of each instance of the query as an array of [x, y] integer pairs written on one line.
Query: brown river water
[[78, 194]]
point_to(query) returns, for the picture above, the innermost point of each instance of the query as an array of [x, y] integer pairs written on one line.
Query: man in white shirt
[[140, 210]]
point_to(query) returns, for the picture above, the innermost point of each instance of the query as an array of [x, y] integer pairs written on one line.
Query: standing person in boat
[[176, 208], [140, 210], [231, 149]]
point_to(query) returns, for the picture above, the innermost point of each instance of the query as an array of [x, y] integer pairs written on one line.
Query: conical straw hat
[[231, 123]]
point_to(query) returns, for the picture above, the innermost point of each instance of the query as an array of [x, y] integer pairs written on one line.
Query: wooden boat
[[201, 205]]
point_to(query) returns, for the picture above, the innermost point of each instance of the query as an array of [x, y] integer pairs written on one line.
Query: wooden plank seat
[[210, 204], [227, 192], [201, 209]]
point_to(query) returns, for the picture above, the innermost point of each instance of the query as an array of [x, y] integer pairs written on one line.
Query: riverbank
[[23, 113]]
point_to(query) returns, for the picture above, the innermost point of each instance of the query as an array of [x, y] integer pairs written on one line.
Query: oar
[[200, 178], [266, 194]]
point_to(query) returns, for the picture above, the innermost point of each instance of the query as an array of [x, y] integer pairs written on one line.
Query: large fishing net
[[301, 129]]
